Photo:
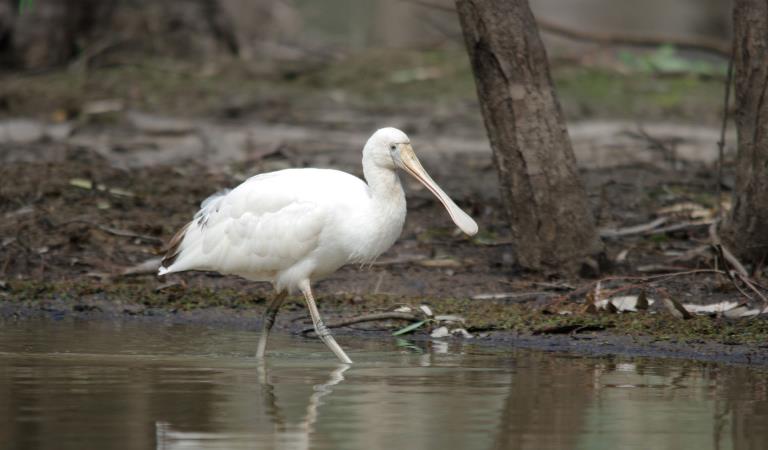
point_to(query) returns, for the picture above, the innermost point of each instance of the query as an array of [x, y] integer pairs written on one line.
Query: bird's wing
[[265, 225]]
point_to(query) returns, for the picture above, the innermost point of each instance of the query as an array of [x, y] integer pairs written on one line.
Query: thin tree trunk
[[45, 33], [546, 203], [746, 230], [50, 33]]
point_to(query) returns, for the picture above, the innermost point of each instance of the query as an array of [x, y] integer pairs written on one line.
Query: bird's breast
[[374, 229]]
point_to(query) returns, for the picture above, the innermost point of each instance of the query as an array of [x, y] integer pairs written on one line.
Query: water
[[79, 385]]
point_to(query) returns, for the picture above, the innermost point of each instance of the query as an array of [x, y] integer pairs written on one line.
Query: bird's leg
[[269, 321], [322, 331]]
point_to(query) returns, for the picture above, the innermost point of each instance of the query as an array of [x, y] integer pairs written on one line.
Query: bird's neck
[[384, 183]]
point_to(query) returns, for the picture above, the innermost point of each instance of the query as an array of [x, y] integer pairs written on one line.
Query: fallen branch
[[739, 271], [681, 226], [399, 259], [635, 229], [118, 232], [369, 318], [659, 269], [748, 282], [554, 286], [653, 227], [568, 329], [693, 253], [510, 295], [714, 46], [727, 255], [641, 280]]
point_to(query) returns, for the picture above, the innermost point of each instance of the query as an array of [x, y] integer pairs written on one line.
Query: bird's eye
[[392, 147]]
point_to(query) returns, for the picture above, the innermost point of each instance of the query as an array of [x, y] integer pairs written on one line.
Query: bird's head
[[390, 148]]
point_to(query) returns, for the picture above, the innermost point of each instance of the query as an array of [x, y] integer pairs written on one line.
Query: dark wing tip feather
[[174, 246]]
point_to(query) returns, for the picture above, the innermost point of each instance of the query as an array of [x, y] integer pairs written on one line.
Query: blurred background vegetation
[[234, 57]]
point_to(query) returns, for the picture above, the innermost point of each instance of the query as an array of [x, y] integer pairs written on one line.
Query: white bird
[[295, 226]]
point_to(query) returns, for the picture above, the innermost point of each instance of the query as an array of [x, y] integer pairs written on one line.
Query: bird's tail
[[172, 250], [187, 242]]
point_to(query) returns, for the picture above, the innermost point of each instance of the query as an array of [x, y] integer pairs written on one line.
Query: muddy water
[[76, 385]]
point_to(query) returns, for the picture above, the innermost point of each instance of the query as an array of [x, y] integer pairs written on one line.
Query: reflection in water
[[76, 385], [285, 435]]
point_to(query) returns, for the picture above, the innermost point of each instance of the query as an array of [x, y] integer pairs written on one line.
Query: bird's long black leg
[[269, 321], [322, 331]]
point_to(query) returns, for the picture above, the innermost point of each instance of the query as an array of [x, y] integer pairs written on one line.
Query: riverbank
[[90, 193]]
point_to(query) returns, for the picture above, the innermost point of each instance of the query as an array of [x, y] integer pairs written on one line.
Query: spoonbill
[[295, 226]]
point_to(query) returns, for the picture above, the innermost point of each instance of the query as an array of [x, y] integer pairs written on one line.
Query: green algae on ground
[[480, 315]]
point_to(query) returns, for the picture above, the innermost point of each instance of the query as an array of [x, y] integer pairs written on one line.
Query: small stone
[[440, 332], [21, 131]]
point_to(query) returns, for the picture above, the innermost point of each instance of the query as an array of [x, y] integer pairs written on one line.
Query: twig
[[554, 286], [739, 288], [737, 265], [693, 253], [572, 328], [117, 232], [651, 278], [721, 142], [369, 318], [641, 279], [399, 259], [739, 271], [653, 227], [750, 285], [715, 46], [635, 229], [723, 250], [510, 295], [659, 268], [666, 148], [680, 226]]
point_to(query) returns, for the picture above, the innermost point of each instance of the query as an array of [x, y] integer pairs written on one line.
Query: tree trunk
[[546, 203], [746, 230], [45, 34], [50, 33]]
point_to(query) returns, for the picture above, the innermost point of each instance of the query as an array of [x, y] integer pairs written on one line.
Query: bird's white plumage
[[285, 226], [293, 226], [297, 225]]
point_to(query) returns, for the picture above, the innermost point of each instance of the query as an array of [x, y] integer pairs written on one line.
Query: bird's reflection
[[285, 434], [315, 400]]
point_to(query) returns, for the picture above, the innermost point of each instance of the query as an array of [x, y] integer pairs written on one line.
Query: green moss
[[479, 315], [605, 93], [176, 297]]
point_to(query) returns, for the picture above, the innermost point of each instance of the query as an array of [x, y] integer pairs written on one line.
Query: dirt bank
[[88, 197], [237, 310]]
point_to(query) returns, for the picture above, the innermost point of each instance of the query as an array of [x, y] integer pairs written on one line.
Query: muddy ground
[[94, 179]]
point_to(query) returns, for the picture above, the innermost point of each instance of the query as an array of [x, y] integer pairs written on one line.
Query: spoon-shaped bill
[[411, 164]]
